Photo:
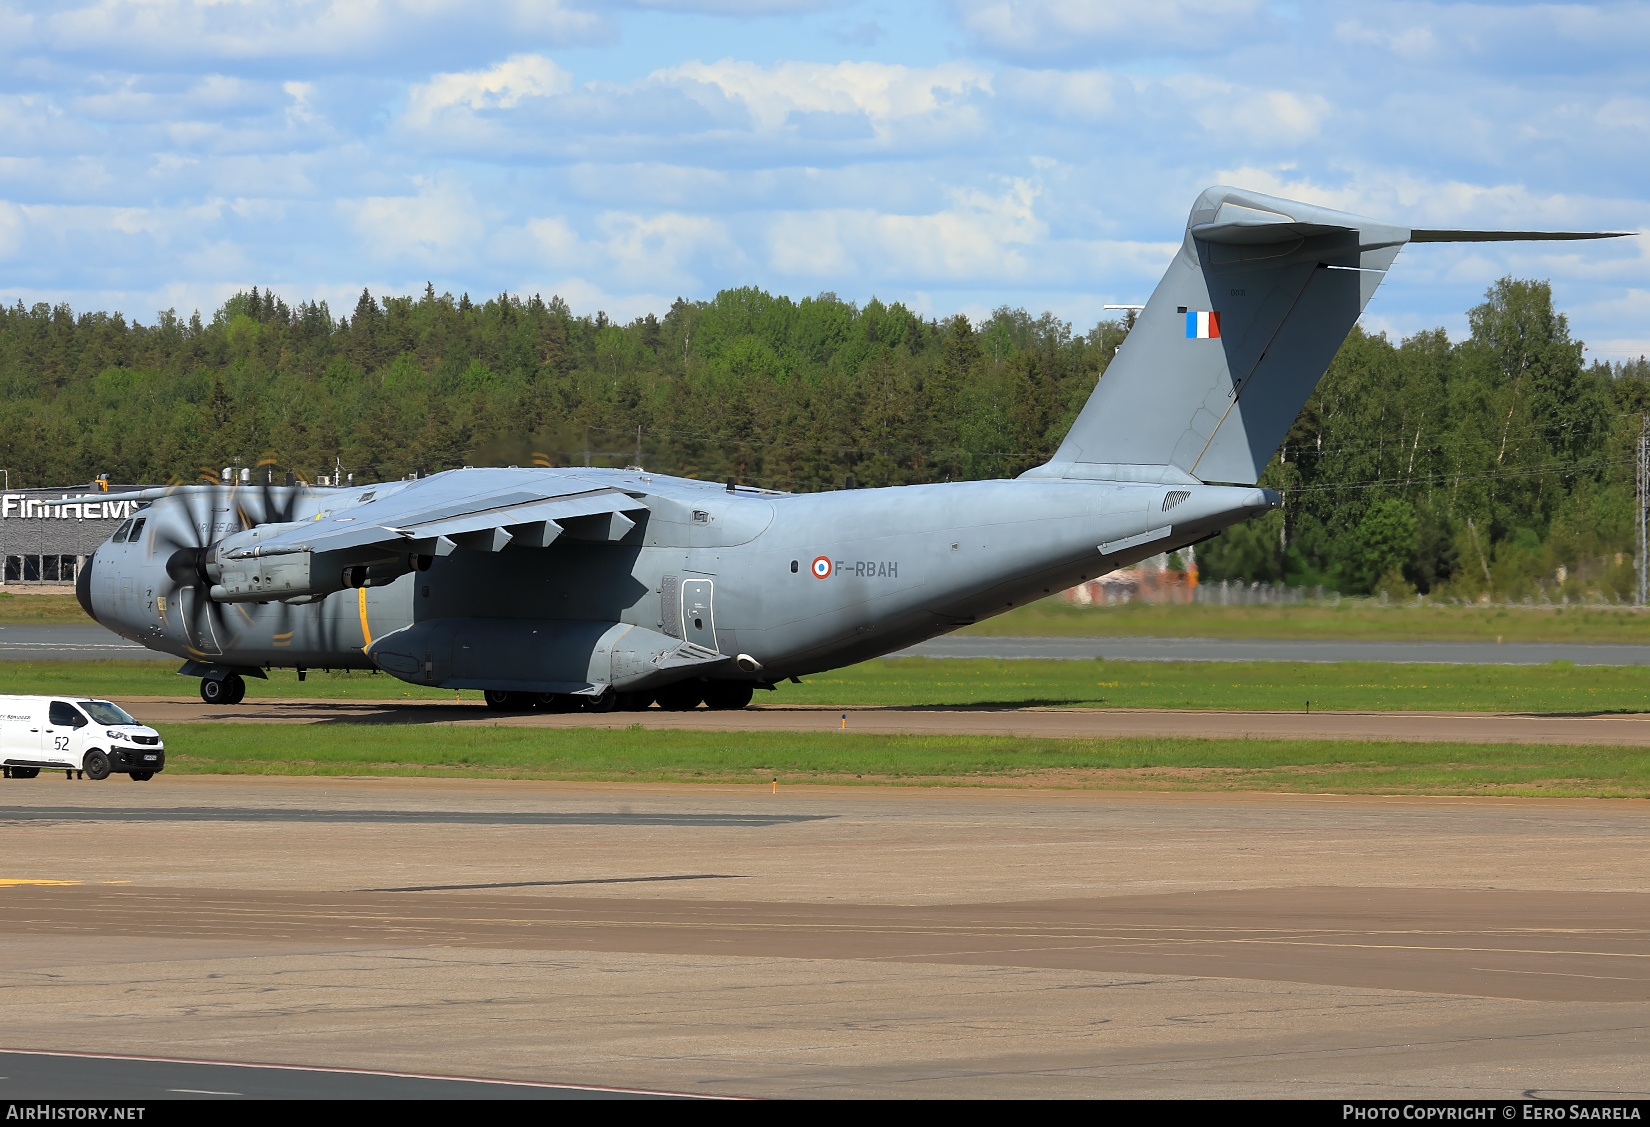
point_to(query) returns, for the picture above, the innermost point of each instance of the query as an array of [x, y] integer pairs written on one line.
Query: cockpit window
[[102, 712], [120, 536], [137, 531]]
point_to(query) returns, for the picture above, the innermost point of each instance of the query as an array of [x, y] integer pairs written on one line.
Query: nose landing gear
[[230, 689]]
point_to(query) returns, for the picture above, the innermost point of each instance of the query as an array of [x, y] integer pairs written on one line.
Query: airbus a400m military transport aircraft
[[613, 588]]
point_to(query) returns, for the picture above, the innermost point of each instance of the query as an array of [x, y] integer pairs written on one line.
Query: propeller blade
[[268, 503]]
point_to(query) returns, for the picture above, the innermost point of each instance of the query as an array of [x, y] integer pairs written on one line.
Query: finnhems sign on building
[[46, 534]]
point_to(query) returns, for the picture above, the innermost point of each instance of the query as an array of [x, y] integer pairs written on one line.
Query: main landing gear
[[230, 689]]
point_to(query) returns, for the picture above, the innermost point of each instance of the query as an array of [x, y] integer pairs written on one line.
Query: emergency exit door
[[698, 622]]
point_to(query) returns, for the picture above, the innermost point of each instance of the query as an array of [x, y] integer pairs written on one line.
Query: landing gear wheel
[[500, 701], [142, 776], [96, 765], [236, 687], [557, 702], [213, 691], [684, 696], [607, 702], [729, 696]]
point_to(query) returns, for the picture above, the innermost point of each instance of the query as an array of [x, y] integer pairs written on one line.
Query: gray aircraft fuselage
[[796, 582], [562, 584]]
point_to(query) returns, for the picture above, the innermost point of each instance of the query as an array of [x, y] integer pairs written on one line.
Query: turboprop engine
[[240, 569]]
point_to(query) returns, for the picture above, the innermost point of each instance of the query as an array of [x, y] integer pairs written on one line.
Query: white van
[[75, 734]]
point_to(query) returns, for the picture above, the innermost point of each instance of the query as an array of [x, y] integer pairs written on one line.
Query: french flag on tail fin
[[1202, 326]]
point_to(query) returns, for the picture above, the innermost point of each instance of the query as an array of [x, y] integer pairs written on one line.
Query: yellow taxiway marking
[[9, 881]]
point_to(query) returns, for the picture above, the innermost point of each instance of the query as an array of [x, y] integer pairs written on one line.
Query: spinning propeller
[[202, 507]]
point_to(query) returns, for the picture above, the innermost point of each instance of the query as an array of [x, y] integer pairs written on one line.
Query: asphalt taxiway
[[830, 941], [101, 1076]]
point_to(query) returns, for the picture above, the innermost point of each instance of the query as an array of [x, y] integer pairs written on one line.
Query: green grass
[[26, 608], [1260, 685], [931, 682], [1353, 618], [848, 758]]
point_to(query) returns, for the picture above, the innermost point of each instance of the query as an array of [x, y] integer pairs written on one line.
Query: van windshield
[[103, 712]]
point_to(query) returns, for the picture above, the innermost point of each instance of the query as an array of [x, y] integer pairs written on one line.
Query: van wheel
[[142, 776], [96, 765]]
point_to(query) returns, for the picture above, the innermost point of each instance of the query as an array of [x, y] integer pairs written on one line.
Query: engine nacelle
[[250, 578]]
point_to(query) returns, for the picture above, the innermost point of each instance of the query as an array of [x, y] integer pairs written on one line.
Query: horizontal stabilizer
[[1419, 236]]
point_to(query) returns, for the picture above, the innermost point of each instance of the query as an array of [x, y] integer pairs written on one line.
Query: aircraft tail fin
[[1235, 337]]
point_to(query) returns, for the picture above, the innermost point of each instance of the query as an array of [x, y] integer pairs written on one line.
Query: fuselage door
[[698, 622]]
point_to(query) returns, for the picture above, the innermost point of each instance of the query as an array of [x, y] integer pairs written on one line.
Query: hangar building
[[46, 534]]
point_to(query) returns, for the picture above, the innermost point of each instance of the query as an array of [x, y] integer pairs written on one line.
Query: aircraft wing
[[436, 526]]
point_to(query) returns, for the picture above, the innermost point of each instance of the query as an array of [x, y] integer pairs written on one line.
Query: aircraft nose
[[83, 587]]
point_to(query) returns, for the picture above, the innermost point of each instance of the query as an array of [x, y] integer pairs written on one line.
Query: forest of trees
[[1502, 463]]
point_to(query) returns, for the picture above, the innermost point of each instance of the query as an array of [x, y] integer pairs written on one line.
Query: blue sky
[[955, 155]]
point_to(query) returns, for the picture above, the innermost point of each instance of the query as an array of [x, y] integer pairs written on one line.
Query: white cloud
[[1499, 35], [664, 247], [437, 226], [11, 229], [499, 87], [1082, 95], [661, 246], [555, 241], [884, 94], [299, 112], [1065, 28], [1411, 43], [464, 147], [1254, 116], [979, 236], [349, 31], [737, 7]]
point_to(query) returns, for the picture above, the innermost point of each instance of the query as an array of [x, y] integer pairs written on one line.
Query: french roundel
[[822, 568]]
